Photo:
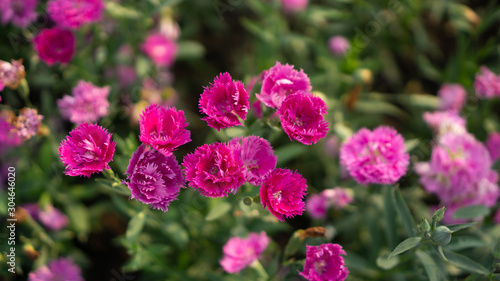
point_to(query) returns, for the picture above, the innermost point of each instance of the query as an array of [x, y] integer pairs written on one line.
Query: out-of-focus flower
[[282, 191], [164, 128], [332, 146], [160, 49], [168, 26], [442, 122], [88, 103], [60, 269], [325, 263], [317, 206], [27, 123], [291, 6], [338, 45], [225, 102], [375, 157], [126, 75], [452, 97], [88, 149], [493, 145], [214, 170], [281, 81], [257, 156], [74, 13], [153, 178], [20, 13], [496, 218], [54, 45], [487, 84], [49, 216], [302, 117], [11, 74], [8, 134], [338, 197], [241, 252]]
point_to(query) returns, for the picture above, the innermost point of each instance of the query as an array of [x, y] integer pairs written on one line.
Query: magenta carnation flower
[[291, 6], [88, 103], [225, 102], [54, 45], [164, 128], [20, 13], [241, 252], [375, 157], [338, 197], [160, 49], [52, 218], [338, 45], [493, 145], [302, 117], [154, 178], [280, 81], [8, 134], [257, 156], [282, 191], [60, 269], [452, 97], [317, 206], [27, 123], [487, 84], [214, 170], [325, 263], [74, 13], [88, 149]]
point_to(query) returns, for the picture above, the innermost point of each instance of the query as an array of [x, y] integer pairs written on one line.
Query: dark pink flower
[[214, 170], [87, 103], [74, 13], [241, 252], [282, 192], [257, 156], [302, 117], [164, 128], [225, 102], [338, 45], [60, 269], [452, 97], [487, 84], [8, 134], [280, 81], [20, 13], [375, 157], [325, 263], [54, 45], [88, 149], [160, 49], [154, 178], [493, 145], [496, 217]]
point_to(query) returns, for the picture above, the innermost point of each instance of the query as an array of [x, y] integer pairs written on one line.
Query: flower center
[[320, 266], [277, 195]]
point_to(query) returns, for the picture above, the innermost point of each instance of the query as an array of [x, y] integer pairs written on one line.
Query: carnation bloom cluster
[[88, 103], [20, 13], [59, 269], [377, 156], [487, 84], [325, 263], [74, 13], [241, 252]]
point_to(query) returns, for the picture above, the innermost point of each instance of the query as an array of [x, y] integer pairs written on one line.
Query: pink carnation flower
[[160, 49], [60, 269], [225, 102], [325, 263], [11, 74], [282, 192], [487, 84], [74, 13], [241, 252], [27, 123], [49, 216], [88, 149], [154, 178], [54, 45], [317, 206], [338, 197], [88, 103], [280, 81], [291, 6], [214, 170], [493, 145], [20, 13], [452, 97], [442, 122], [302, 117], [338, 45], [8, 134], [257, 156], [164, 128], [375, 157]]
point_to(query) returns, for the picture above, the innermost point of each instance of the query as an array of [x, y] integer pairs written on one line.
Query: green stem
[[260, 270]]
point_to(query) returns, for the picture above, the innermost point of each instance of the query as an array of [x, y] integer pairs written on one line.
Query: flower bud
[[441, 236], [247, 200]]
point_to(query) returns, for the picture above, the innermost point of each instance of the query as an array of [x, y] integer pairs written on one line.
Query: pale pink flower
[[160, 49], [452, 97], [487, 84], [20, 13], [60, 269], [241, 252], [338, 45], [88, 103]]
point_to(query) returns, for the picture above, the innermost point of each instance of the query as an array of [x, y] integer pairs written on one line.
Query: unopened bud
[[441, 235]]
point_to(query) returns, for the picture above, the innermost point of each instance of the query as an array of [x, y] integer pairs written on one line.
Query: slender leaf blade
[[406, 245]]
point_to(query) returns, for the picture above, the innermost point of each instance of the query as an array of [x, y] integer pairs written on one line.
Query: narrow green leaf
[[411, 144], [387, 262], [294, 243], [406, 245], [79, 218], [404, 212], [465, 263], [471, 212], [390, 218], [135, 226], [288, 152], [430, 265], [457, 227], [464, 242], [218, 211], [190, 50]]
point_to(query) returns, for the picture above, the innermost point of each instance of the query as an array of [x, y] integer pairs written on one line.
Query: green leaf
[[288, 152], [457, 227], [406, 245], [294, 243], [177, 233], [390, 218], [118, 11], [430, 265], [465, 263], [464, 242], [135, 226], [387, 262], [79, 218], [217, 211], [411, 144], [190, 50], [470, 212], [404, 212]]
